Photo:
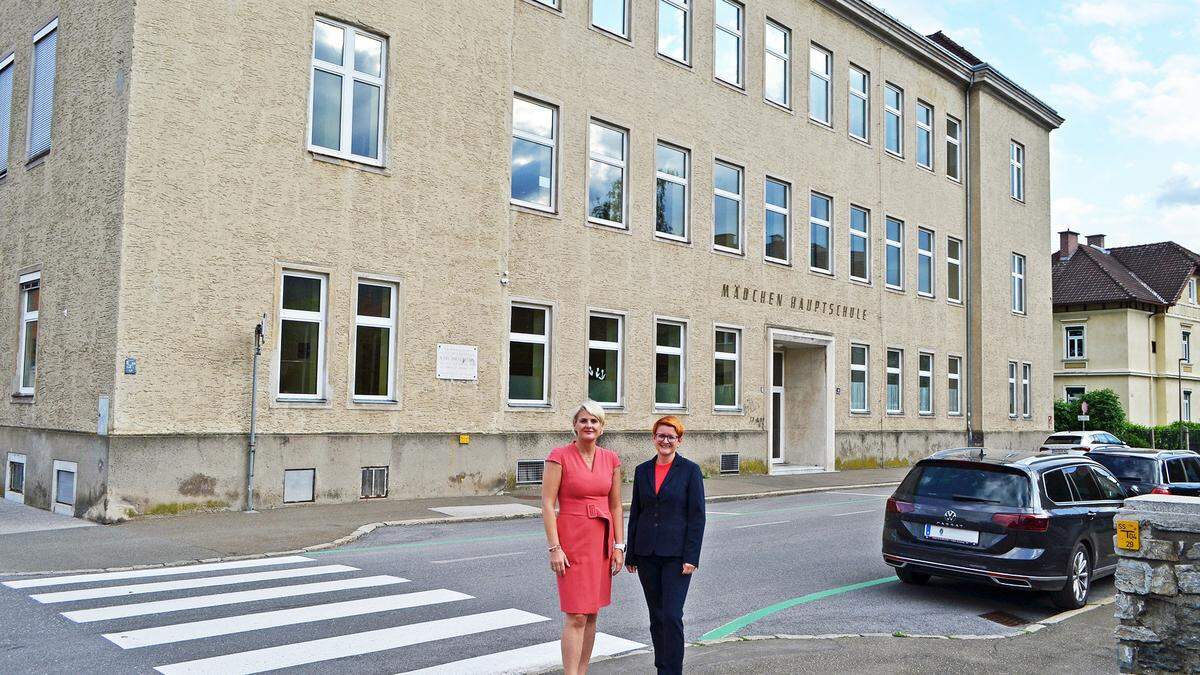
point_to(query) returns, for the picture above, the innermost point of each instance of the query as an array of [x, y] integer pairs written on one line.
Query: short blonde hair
[[592, 408]]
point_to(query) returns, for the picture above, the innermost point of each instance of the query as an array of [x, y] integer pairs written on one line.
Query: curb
[[363, 530]]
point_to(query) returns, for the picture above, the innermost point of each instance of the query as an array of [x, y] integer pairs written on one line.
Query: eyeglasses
[[665, 438]]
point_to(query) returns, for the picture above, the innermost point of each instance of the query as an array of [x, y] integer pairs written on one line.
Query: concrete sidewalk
[[164, 540], [1081, 644]]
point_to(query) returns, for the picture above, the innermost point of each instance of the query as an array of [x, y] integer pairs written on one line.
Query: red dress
[[585, 528]]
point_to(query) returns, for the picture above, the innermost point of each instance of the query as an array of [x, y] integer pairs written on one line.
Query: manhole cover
[[1004, 619]]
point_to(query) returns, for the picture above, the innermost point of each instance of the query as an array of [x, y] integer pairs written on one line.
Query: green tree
[[1104, 408]]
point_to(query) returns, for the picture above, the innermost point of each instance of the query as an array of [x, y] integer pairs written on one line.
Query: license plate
[[952, 534]]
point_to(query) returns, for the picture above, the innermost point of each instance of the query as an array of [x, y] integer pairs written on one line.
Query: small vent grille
[[529, 471], [731, 462]]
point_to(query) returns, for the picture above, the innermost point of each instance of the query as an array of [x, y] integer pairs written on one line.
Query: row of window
[[729, 66], [894, 381], [41, 98], [1075, 343]]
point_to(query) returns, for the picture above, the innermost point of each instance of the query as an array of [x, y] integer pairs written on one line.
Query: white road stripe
[[861, 494], [326, 649], [774, 522], [855, 513], [184, 584], [196, 630], [722, 513], [220, 599], [477, 557], [527, 659], [156, 572]]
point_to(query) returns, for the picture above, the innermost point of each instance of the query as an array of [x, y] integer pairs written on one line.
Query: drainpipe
[[968, 371], [259, 335]]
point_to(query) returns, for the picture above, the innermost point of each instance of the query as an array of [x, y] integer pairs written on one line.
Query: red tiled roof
[[1093, 276], [1164, 266]]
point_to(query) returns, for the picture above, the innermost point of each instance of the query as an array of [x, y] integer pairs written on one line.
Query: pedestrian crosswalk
[[184, 619]]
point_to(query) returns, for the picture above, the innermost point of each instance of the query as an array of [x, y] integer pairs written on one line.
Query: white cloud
[[1073, 96], [1125, 89], [1069, 63], [1120, 13], [1115, 56], [1165, 110], [1133, 220]]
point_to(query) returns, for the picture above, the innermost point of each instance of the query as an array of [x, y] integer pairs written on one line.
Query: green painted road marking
[[745, 620], [425, 544]]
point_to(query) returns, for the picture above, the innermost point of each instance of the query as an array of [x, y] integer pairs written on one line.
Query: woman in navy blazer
[[666, 528]]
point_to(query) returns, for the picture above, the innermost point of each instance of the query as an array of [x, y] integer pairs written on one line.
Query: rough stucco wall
[[62, 215], [1003, 226]]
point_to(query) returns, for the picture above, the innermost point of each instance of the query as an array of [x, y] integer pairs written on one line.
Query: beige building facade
[[1125, 320], [812, 233]]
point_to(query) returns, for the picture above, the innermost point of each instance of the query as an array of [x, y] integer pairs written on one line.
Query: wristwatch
[[619, 547]]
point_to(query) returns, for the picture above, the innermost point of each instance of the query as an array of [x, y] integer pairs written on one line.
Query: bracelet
[[552, 549]]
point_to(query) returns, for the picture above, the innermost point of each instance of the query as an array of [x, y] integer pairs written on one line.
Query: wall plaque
[[457, 362]]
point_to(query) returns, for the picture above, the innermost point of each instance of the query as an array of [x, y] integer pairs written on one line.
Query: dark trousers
[[666, 589]]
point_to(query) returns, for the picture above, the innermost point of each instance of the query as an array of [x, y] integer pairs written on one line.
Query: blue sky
[[1126, 75]]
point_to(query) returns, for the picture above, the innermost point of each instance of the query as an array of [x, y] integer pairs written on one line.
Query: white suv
[[1079, 441]]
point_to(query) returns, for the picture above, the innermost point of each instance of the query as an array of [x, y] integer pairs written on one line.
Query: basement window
[[299, 485], [374, 482]]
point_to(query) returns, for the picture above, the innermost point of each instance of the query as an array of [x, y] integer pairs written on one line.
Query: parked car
[[1042, 523], [1160, 472], [1079, 441]]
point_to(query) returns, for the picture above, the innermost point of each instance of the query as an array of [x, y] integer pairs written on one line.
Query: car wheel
[[1079, 580], [912, 576]]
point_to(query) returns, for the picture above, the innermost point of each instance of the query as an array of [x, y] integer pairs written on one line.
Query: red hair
[[669, 421]]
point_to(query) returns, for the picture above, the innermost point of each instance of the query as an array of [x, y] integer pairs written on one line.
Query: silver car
[[1079, 442]]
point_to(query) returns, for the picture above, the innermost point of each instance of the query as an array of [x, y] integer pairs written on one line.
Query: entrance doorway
[[800, 402], [778, 401]]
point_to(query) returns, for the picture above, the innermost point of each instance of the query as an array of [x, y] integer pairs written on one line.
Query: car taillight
[[1043, 449], [1029, 522], [1160, 490], [897, 506]]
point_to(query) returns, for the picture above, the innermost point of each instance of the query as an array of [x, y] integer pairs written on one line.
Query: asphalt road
[[804, 564]]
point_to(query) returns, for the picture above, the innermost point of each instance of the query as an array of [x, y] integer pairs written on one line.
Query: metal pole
[[259, 330], [1179, 379]]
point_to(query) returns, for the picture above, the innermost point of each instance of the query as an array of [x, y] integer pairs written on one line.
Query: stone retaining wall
[[1158, 586]]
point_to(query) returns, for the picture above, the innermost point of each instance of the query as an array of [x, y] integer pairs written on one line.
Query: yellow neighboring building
[[1126, 319]]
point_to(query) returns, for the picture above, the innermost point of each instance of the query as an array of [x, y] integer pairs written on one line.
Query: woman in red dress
[[586, 537]]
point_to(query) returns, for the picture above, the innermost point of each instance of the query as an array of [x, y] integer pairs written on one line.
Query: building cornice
[[1187, 377], [888, 28]]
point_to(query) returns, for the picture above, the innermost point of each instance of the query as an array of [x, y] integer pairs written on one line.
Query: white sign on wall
[[457, 362]]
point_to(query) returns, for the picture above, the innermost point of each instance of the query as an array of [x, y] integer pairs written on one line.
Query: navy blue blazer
[[671, 522]]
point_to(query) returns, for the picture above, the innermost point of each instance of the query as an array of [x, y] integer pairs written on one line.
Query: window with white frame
[[953, 270], [1192, 298], [41, 98], [529, 355], [671, 192], [349, 75], [1075, 342], [860, 244], [924, 135], [1026, 377], [894, 249], [954, 385], [860, 104], [776, 223], [6, 92], [727, 207], [1017, 171], [727, 369], [1018, 283], [820, 235], [670, 363], [1185, 339], [1187, 405], [611, 16], [893, 119], [729, 27], [925, 383], [1012, 388], [1073, 394], [925, 245], [608, 147], [675, 30], [302, 316], [374, 482], [375, 341], [534, 153], [895, 381], [604, 358], [820, 84], [30, 298], [953, 148], [860, 356], [777, 67]]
